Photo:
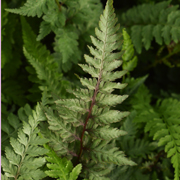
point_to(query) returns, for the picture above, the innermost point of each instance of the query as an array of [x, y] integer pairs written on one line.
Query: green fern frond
[[23, 159], [148, 21], [61, 168], [70, 21], [94, 172], [9, 129], [67, 44], [53, 20], [31, 8], [141, 99], [131, 144], [43, 63], [50, 80], [36, 49], [107, 133], [84, 123], [163, 124], [100, 153], [168, 133], [129, 60], [11, 125]]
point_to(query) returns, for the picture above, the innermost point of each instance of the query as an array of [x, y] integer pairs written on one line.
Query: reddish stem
[[89, 115]]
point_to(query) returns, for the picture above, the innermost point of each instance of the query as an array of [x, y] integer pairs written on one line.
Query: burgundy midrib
[[89, 114], [94, 97]]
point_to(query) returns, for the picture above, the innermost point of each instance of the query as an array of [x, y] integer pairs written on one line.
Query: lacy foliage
[[160, 21], [69, 21], [25, 156], [162, 122], [84, 122]]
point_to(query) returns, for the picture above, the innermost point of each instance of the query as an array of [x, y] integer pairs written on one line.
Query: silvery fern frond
[[84, 123]]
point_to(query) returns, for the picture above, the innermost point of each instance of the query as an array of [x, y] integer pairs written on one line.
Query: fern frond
[[129, 60], [68, 20], [67, 132], [43, 64], [148, 21], [23, 159], [94, 172], [168, 133], [51, 78], [163, 124], [61, 167], [111, 116], [100, 153], [84, 122], [66, 43], [11, 125], [133, 146], [48, 76], [31, 8], [107, 132]]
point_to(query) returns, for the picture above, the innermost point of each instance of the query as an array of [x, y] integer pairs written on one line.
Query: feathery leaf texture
[[61, 167], [160, 21], [84, 123], [44, 64], [129, 60], [23, 159], [68, 20], [11, 125], [163, 123], [32, 8], [133, 146]]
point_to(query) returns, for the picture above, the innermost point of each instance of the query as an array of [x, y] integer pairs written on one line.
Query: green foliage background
[[42, 45]]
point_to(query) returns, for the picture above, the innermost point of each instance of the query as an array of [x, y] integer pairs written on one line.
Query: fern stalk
[[89, 114]]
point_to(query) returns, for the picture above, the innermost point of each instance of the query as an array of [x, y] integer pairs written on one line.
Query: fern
[[148, 21], [23, 159], [133, 146], [129, 62], [136, 148], [10, 65], [32, 8], [68, 20], [85, 132], [44, 64], [61, 168], [84, 123], [163, 124], [11, 124], [67, 43], [168, 131]]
